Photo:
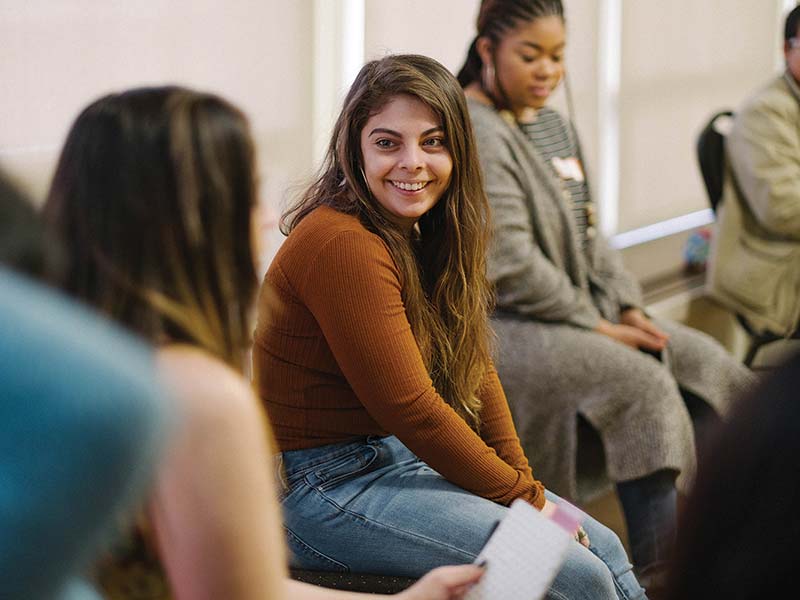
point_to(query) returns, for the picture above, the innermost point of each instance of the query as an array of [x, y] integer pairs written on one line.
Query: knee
[[650, 392], [607, 546], [583, 576], [652, 387], [659, 380]]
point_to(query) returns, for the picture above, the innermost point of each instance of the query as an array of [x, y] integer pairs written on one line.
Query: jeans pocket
[[328, 475], [305, 556]]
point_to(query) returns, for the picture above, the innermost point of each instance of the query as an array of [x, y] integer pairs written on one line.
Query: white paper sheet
[[525, 552]]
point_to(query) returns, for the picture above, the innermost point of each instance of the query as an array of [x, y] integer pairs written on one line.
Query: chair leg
[[755, 344]]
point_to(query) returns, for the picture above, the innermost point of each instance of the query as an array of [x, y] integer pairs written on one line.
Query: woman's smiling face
[[407, 164]]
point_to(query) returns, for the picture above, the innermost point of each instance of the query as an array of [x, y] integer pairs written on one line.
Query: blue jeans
[[373, 506]]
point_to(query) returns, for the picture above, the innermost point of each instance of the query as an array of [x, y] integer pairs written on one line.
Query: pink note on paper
[[567, 516], [525, 552]]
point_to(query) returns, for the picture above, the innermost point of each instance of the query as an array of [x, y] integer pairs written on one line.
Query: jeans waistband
[[293, 463]]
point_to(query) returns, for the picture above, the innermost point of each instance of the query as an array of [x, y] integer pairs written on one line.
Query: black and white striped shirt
[[553, 138]]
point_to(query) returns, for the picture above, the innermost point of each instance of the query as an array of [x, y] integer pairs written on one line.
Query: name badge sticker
[[568, 168]]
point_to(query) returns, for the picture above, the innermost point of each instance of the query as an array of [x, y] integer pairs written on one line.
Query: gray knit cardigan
[[554, 368]]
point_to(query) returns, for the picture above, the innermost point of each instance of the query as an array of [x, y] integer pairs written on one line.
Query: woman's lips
[[540, 91]]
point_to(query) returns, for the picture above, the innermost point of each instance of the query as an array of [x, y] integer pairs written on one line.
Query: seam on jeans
[[363, 519], [302, 471], [620, 590], [316, 553], [614, 576], [326, 484]]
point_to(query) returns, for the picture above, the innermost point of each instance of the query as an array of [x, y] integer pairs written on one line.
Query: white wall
[[441, 29], [682, 61], [679, 61], [56, 56]]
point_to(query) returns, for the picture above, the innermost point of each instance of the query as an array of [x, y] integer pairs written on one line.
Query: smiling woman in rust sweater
[[372, 350], [153, 198]]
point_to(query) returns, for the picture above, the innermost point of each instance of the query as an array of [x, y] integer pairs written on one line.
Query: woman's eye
[[558, 58], [528, 59], [384, 143], [434, 142]]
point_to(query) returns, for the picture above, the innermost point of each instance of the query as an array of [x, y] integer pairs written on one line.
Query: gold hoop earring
[[489, 78]]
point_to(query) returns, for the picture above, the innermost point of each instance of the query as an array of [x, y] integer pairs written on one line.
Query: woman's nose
[[547, 68], [411, 159]]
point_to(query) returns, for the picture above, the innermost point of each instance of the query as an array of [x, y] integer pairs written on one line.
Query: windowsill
[[669, 286], [660, 268], [650, 233]]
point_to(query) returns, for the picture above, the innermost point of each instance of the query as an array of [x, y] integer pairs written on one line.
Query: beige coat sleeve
[[764, 151]]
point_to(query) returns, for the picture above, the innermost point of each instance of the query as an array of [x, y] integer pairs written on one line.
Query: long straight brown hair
[[443, 267], [152, 198]]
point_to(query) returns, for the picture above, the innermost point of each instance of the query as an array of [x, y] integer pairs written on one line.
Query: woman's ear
[[485, 50]]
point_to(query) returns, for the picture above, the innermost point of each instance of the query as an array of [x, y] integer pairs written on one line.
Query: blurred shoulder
[[204, 386]]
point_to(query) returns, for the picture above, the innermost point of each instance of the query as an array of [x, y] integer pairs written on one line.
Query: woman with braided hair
[[575, 346]]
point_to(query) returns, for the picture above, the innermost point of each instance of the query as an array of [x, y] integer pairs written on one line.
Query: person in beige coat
[[755, 260]]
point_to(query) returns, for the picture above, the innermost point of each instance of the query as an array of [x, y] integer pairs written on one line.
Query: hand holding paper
[[525, 552]]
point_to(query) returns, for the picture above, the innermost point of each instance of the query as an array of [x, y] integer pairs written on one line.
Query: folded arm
[[353, 289]]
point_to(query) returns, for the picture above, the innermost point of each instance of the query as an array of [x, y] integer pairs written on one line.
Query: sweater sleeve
[[352, 287], [609, 265], [607, 261], [526, 281], [498, 431]]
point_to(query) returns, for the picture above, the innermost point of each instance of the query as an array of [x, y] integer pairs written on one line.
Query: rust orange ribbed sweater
[[335, 359]]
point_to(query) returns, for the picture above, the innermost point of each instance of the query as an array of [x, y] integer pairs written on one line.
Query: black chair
[[354, 582], [711, 158], [711, 155], [757, 340]]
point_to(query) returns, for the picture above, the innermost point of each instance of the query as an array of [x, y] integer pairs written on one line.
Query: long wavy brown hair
[[152, 198], [443, 266]]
